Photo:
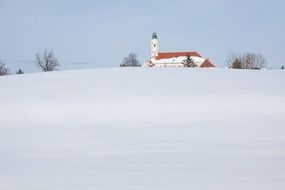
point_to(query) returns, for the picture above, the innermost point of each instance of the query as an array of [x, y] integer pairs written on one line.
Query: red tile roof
[[207, 63], [176, 54]]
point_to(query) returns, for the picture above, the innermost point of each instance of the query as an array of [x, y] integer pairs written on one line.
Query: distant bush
[[3, 69], [130, 61], [19, 72], [237, 64], [246, 61]]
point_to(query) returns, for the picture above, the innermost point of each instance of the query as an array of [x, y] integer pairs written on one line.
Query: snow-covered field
[[143, 129]]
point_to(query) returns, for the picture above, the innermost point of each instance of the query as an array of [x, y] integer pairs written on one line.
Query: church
[[173, 59]]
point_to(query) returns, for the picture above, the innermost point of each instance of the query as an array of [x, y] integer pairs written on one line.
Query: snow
[[143, 129]]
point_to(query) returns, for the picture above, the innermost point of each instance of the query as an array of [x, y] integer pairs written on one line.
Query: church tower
[[154, 45]]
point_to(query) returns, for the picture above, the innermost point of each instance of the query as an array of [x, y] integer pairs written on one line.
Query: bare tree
[[47, 61], [3, 69], [246, 61], [130, 61], [254, 61], [188, 62]]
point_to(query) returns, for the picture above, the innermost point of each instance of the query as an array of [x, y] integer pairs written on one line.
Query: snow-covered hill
[[143, 129]]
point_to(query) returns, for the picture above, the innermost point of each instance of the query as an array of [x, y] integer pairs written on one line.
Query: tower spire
[[154, 45], [154, 35]]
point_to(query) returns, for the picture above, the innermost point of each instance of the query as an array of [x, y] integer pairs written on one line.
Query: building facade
[[173, 59]]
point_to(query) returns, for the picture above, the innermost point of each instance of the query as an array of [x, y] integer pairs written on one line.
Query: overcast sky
[[94, 33]]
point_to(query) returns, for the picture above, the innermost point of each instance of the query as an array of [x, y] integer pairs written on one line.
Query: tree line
[[45, 60], [234, 61], [48, 62]]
